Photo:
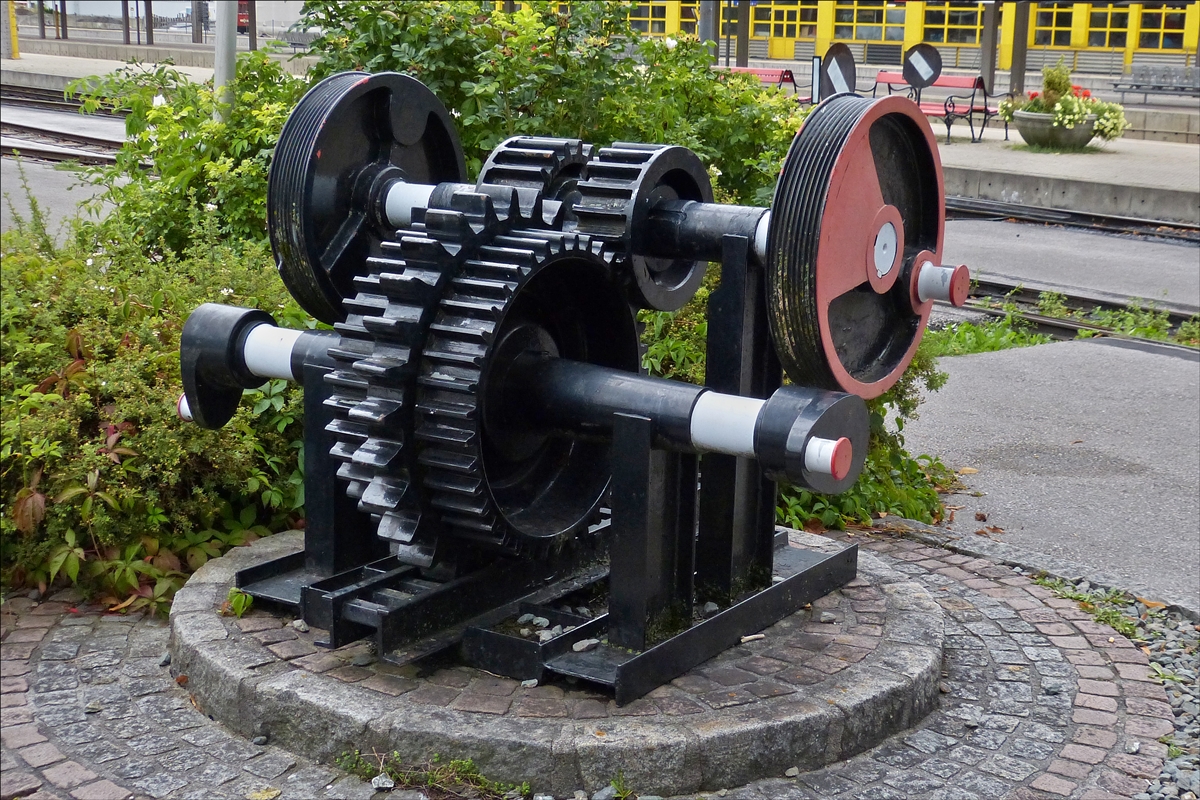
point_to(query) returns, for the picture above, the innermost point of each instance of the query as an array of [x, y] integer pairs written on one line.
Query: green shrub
[[180, 164], [554, 69], [102, 484]]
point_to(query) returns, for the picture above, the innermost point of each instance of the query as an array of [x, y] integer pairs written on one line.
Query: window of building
[[794, 19], [1052, 25], [1162, 26], [868, 20], [1108, 25], [953, 23], [689, 18], [649, 17]]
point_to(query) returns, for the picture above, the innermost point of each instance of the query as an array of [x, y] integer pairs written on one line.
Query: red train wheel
[[860, 195]]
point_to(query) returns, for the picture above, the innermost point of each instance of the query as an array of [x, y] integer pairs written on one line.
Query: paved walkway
[[1085, 451], [1038, 701], [71, 67], [89, 710]]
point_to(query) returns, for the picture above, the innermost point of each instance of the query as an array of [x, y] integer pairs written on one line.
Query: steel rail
[[50, 99], [966, 207], [1000, 287]]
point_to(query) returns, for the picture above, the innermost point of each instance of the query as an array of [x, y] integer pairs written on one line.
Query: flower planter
[[1039, 130]]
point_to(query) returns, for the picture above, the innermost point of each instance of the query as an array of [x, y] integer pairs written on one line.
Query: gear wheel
[[618, 188], [381, 340], [419, 343], [525, 289], [537, 166]]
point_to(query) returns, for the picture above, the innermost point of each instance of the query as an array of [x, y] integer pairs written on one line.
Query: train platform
[[1137, 178]]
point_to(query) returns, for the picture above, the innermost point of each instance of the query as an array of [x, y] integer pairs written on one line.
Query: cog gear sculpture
[[479, 403]]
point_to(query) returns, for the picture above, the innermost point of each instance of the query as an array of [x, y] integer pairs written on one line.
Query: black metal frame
[[683, 529]]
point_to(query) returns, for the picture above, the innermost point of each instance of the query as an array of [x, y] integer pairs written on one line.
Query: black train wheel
[[349, 136], [859, 197]]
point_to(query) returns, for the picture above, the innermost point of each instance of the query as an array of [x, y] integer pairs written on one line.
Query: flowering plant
[[1070, 104]]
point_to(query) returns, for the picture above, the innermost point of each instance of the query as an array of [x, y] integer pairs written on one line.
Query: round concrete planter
[[1039, 130]]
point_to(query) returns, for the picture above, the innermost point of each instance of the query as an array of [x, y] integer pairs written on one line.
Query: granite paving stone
[[1035, 701]]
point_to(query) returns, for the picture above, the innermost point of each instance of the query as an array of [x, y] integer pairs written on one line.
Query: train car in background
[[243, 17]]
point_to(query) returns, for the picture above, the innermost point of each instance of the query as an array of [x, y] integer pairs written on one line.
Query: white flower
[[669, 43], [159, 100], [88, 262], [210, 206], [227, 292]]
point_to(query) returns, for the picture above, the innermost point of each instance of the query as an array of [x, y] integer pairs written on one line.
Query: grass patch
[[1037, 148], [1104, 606], [1135, 319], [965, 338], [440, 780]]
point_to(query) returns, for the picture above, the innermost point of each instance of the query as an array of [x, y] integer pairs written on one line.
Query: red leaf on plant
[[29, 509], [75, 345]]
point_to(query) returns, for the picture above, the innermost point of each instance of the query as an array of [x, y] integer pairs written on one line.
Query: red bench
[[771, 77], [956, 106]]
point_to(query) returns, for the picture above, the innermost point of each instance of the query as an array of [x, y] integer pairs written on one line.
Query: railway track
[[49, 99], [49, 142], [1000, 297], [970, 207]]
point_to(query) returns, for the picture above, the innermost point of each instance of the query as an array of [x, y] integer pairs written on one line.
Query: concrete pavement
[[1156, 270], [1085, 451]]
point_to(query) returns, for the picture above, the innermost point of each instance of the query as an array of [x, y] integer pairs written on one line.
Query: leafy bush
[[103, 485], [554, 69], [181, 164]]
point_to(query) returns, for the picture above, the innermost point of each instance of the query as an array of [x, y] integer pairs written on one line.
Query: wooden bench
[[1148, 79], [956, 106], [771, 77]]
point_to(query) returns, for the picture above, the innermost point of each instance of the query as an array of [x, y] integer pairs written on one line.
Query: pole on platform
[[149, 22], [252, 23], [987, 46], [124, 21], [41, 19], [726, 28], [9, 48], [710, 12], [137, 19], [1020, 23], [197, 28], [62, 17], [743, 33], [225, 63]]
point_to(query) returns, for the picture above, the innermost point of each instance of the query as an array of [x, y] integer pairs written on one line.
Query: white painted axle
[[268, 351], [402, 198]]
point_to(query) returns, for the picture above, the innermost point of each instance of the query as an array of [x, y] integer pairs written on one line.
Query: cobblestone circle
[[1036, 700]]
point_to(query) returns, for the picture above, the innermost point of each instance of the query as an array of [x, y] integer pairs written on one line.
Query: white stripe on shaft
[[402, 198], [934, 282], [725, 423], [819, 455], [268, 351], [183, 409]]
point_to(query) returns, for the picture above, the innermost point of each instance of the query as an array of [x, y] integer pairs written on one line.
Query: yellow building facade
[[1090, 36]]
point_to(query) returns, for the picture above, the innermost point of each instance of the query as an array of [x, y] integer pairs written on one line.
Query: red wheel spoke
[[853, 201]]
